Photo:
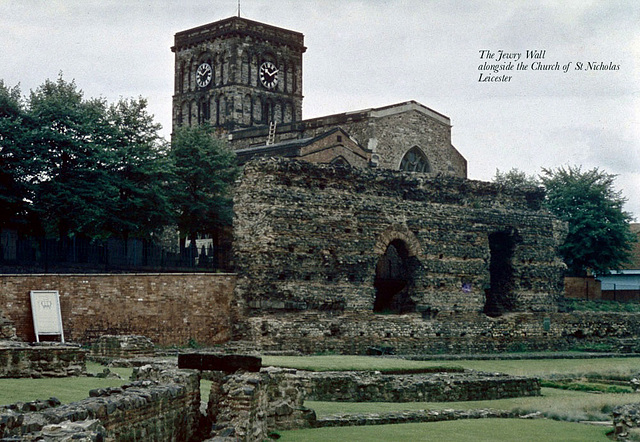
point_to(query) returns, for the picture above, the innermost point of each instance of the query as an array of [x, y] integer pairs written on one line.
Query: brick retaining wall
[[170, 309]]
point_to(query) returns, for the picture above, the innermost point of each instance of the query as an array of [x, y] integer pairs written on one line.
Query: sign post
[[47, 320]]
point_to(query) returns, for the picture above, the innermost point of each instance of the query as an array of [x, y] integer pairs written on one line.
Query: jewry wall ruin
[[329, 242]]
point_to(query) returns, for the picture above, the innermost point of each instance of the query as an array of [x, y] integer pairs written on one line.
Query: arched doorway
[[394, 280], [500, 296]]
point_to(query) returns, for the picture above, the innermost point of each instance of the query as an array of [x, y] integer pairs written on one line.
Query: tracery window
[[415, 161]]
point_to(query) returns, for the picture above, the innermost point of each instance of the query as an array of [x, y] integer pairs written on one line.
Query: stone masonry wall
[[360, 333], [165, 408], [169, 309], [41, 361], [127, 346], [246, 406], [433, 387], [308, 238]]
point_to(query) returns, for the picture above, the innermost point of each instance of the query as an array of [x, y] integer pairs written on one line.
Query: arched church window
[[415, 161], [340, 161]]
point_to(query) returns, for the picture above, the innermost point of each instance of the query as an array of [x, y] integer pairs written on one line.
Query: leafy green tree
[[101, 170], [515, 177], [204, 170], [72, 193], [599, 237], [16, 159], [138, 171]]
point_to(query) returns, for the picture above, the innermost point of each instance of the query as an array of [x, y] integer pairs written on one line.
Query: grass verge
[[544, 368], [66, 389], [481, 430], [566, 405]]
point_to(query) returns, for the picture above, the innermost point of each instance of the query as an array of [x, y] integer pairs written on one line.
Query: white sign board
[[47, 320]]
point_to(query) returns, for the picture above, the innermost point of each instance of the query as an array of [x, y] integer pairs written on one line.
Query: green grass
[[340, 362], [489, 430], [557, 404], [620, 367], [66, 389], [592, 387]]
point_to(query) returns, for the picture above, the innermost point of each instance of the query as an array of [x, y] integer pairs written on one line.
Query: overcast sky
[[372, 53]]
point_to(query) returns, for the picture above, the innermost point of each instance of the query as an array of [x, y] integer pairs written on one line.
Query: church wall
[[388, 137], [391, 136]]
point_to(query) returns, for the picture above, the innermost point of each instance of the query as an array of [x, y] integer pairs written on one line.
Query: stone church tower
[[237, 73], [244, 78]]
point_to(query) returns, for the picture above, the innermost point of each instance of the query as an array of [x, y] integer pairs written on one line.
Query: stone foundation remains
[[626, 422], [58, 360], [432, 387], [127, 346], [162, 407]]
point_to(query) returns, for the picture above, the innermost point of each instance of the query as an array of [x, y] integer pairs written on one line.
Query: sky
[[371, 53]]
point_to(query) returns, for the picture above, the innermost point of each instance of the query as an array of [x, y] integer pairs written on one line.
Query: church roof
[[285, 148], [378, 112]]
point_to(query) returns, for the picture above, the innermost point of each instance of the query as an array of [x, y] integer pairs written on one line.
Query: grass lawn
[[564, 405], [68, 390], [528, 367], [490, 430], [559, 404]]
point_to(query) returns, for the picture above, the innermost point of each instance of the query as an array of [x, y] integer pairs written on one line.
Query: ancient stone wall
[[163, 409], [7, 329], [169, 309], [313, 238], [247, 406], [41, 361], [355, 333], [127, 346], [626, 422], [432, 387]]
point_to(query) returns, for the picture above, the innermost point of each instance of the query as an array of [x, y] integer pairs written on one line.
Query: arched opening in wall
[[394, 280], [499, 296], [415, 161]]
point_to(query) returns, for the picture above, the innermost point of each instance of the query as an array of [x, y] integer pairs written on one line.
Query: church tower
[[237, 73]]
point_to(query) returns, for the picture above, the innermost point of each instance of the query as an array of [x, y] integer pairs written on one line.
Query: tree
[[515, 177], [16, 159], [599, 237], [101, 170], [73, 191], [204, 169], [138, 172]]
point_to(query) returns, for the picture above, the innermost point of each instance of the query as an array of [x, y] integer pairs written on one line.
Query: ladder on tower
[[272, 133]]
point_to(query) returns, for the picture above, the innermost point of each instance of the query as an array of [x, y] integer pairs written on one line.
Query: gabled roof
[[378, 112], [286, 148]]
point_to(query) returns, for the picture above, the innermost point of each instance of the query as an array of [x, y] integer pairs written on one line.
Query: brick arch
[[398, 232]]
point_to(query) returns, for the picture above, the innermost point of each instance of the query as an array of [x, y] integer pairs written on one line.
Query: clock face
[[268, 75], [204, 74]]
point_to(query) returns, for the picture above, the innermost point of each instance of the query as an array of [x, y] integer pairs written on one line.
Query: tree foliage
[[515, 177], [204, 170], [80, 166], [17, 166], [599, 237]]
